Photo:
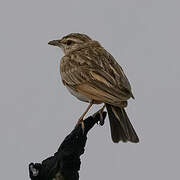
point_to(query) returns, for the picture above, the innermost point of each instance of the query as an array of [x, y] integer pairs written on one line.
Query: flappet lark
[[92, 75]]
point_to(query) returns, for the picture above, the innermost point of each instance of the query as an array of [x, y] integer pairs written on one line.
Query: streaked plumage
[[92, 74]]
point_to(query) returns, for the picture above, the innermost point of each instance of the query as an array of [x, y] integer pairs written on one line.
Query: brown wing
[[95, 73]]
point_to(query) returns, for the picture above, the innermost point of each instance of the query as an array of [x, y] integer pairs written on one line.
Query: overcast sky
[[37, 112]]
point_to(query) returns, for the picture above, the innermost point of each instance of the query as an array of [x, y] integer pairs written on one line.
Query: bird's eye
[[69, 42]]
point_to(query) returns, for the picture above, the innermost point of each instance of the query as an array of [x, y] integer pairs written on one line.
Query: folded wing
[[95, 74]]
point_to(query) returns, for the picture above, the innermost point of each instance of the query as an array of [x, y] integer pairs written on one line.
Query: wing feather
[[96, 74]]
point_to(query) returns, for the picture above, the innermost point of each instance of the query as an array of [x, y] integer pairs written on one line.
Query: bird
[[92, 75]]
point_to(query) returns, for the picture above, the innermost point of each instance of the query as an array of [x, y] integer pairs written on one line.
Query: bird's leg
[[82, 116], [100, 112], [101, 121]]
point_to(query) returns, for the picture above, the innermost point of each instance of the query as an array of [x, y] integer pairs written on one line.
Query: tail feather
[[121, 127]]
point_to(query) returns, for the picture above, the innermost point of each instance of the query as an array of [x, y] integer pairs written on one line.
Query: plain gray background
[[37, 112]]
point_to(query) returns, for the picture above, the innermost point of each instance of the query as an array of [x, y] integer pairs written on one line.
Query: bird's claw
[[101, 120], [80, 121]]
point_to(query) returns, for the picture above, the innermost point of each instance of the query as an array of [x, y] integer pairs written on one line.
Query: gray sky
[[37, 112]]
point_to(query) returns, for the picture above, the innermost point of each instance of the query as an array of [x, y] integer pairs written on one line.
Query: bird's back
[[91, 64]]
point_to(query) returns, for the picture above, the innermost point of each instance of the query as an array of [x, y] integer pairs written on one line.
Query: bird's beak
[[55, 43]]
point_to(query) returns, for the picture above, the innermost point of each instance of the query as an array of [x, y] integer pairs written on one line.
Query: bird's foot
[[80, 121], [101, 120]]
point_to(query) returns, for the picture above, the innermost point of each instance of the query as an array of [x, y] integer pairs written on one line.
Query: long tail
[[121, 127]]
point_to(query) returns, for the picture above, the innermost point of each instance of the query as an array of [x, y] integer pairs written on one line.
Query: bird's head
[[70, 42]]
